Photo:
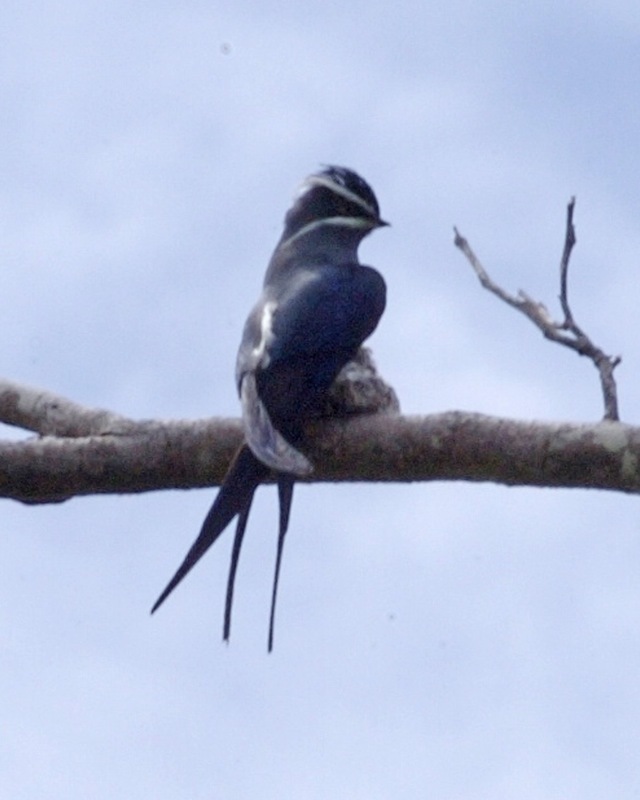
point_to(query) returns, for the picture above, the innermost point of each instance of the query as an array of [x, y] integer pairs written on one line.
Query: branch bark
[[372, 447]]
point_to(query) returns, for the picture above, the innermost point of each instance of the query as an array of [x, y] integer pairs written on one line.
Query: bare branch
[[567, 333], [152, 455], [569, 243], [375, 447], [52, 415], [604, 364]]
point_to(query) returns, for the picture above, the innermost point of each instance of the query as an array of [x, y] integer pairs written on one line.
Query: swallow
[[317, 306]]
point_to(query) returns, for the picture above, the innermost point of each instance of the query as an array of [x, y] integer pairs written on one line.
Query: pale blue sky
[[439, 640]]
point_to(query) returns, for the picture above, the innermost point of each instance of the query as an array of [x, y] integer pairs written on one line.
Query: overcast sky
[[433, 640]]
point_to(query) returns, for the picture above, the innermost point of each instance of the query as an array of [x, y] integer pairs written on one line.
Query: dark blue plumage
[[316, 331], [318, 304]]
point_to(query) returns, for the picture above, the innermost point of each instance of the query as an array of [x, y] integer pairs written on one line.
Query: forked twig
[[567, 332]]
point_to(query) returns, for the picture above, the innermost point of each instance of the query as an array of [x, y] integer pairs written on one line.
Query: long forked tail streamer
[[233, 567], [285, 495], [234, 497]]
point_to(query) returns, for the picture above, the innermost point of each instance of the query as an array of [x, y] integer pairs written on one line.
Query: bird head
[[333, 204]]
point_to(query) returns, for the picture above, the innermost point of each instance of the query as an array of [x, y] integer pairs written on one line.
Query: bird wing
[[313, 332]]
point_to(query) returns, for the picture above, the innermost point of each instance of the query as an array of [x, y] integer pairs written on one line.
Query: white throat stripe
[[345, 222]]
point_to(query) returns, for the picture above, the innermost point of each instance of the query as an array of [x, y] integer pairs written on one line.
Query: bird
[[317, 306]]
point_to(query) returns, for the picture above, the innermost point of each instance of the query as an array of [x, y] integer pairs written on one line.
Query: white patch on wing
[[260, 352], [266, 443]]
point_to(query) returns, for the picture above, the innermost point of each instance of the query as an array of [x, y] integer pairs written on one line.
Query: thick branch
[[378, 447]]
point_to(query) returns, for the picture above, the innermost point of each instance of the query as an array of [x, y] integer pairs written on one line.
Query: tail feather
[[234, 497], [233, 567], [285, 495]]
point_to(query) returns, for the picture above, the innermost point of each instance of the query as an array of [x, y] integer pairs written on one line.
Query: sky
[[433, 640]]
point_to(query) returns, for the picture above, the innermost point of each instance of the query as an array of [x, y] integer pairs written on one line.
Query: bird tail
[[234, 497], [285, 495]]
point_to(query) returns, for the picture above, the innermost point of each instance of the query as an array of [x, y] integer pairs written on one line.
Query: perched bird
[[318, 304]]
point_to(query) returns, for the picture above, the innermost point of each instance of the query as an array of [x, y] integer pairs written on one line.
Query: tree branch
[[52, 415], [374, 447], [567, 332]]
